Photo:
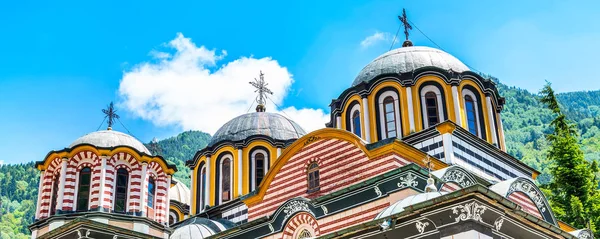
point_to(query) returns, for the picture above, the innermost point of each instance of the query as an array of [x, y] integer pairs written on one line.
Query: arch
[[151, 200], [456, 175], [303, 225], [485, 124], [531, 191], [257, 171], [388, 115], [200, 187], [224, 178], [54, 194], [173, 217], [353, 118], [433, 104], [325, 134], [473, 111]]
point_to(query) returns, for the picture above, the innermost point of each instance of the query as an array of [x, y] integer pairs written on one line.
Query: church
[[414, 148]]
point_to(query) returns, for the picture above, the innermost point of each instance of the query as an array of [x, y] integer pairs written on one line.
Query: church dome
[[258, 123], [198, 228], [408, 59], [180, 193], [110, 139], [399, 206]]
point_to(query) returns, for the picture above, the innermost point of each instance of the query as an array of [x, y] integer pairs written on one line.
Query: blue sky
[[64, 61]]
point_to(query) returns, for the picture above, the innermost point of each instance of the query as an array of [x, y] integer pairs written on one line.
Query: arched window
[[304, 234], [83, 189], [54, 199], [313, 177], [389, 117], [172, 217], [151, 192], [225, 180], [471, 107], [259, 166], [121, 190], [471, 113], [201, 188], [431, 108]]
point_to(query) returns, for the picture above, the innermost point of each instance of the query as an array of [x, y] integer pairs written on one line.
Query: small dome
[[258, 123], [399, 206], [408, 59], [110, 139], [180, 193], [198, 228]]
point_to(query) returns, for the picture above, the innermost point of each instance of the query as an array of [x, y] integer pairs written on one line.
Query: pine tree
[[574, 188]]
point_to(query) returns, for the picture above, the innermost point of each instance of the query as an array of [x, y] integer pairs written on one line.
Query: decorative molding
[[421, 226], [311, 139], [325, 211], [81, 234], [498, 223], [408, 181], [459, 176], [529, 189], [271, 228], [468, 211], [585, 234], [378, 191], [294, 207]]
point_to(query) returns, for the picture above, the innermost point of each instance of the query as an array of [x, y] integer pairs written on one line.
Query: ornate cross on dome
[[261, 88], [404, 21], [111, 114]]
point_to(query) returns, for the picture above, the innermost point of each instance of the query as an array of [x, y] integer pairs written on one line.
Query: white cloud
[[1, 162], [189, 89], [377, 37]]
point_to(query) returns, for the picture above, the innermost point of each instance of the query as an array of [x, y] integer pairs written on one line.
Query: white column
[[239, 172], [144, 188], [207, 184], [194, 191], [501, 130], [102, 181], [338, 122], [61, 186], [366, 114], [448, 148], [278, 152], [488, 100], [165, 210], [411, 115], [456, 99], [39, 199]]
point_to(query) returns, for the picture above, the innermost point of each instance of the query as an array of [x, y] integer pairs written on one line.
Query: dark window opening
[[313, 177], [389, 117], [83, 193], [356, 123], [471, 115], [431, 108], [121, 190], [151, 192]]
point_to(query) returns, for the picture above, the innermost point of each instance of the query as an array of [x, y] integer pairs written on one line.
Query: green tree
[[573, 189]]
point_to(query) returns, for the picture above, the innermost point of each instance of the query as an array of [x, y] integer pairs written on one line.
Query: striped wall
[[341, 164], [526, 204], [52, 172], [449, 187], [105, 198]]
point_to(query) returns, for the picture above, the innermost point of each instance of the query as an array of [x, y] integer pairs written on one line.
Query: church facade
[[414, 149]]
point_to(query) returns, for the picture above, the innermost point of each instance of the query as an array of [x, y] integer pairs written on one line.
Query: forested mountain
[[525, 121]]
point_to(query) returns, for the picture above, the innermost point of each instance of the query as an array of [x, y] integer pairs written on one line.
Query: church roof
[[408, 59], [399, 206], [198, 228], [244, 126], [110, 139]]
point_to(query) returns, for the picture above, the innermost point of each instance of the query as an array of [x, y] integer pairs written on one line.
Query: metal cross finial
[[111, 114], [261, 88], [404, 21]]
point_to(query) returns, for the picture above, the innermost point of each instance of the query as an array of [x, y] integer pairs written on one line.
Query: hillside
[[525, 122], [180, 148]]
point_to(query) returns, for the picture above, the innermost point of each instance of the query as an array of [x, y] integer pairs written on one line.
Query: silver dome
[[258, 123], [180, 193], [109, 139], [407, 59], [198, 228]]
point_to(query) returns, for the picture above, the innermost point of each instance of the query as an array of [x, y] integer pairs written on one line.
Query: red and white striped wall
[[526, 203], [341, 164], [103, 195]]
